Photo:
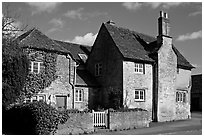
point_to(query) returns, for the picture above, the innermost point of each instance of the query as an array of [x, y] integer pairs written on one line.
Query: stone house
[[196, 93], [56, 73], [140, 71]]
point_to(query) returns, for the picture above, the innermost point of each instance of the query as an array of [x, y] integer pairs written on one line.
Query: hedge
[[36, 118]]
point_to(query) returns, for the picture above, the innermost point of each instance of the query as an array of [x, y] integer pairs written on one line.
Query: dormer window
[[98, 69], [35, 67], [139, 68]]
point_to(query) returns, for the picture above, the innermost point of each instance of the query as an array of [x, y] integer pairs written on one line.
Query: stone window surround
[[79, 95], [98, 69], [141, 95], [139, 68], [32, 66], [181, 96]]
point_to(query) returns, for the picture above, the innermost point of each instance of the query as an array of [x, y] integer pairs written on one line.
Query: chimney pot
[[111, 22], [161, 14]]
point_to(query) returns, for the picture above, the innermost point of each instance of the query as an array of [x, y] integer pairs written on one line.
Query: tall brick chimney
[[163, 24]]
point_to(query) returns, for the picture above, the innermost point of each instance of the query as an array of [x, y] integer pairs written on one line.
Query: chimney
[[163, 24], [111, 22]]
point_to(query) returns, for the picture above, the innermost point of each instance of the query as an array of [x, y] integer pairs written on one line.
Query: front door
[[61, 102]]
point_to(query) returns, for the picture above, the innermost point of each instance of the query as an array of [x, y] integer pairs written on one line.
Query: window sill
[[78, 101], [139, 100]]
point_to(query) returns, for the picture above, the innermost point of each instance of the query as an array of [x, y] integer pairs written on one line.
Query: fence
[[100, 119]]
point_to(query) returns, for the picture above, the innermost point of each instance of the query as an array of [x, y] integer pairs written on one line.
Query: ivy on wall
[[37, 82]]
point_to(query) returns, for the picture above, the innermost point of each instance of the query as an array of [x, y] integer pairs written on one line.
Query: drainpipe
[[74, 79]]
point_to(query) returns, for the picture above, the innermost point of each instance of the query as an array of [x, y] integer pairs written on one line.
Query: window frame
[[140, 92], [139, 68], [181, 96], [98, 69], [31, 67], [79, 95]]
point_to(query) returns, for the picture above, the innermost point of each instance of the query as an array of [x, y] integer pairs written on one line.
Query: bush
[[36, 118]]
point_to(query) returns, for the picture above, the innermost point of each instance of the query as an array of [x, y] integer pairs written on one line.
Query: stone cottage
[[140, 71], [57, 73]]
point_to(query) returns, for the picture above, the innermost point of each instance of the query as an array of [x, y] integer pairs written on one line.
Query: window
[[98, 69], [35, 67], [180, 96], [177, 70], [79, 95], [35, 98], [139, 68], [139, 95]]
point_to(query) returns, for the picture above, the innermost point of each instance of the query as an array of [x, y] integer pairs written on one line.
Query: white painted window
[[139, 95], [98, 69], [79, 95], [35, 67], [35, 98], [180, 96], [139, 68]]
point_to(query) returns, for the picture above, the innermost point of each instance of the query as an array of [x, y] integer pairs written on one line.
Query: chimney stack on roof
[[163, 24], [111, 22]]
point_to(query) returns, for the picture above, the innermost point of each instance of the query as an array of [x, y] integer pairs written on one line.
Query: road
[[191, 126]]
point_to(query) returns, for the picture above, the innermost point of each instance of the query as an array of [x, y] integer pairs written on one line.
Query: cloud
[[195, 13], [57, 22], [74, 14], [39, 7], [153, 5], [190, 36], [87, 39], [198, 11], [82, 15], [132, 5]]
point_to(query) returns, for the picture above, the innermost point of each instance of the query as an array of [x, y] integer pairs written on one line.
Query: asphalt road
[[191, 126]]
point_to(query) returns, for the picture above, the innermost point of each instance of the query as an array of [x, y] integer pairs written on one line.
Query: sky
[[79, 22]]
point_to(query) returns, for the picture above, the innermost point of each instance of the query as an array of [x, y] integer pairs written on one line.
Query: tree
[[11, 27], [14, 61]]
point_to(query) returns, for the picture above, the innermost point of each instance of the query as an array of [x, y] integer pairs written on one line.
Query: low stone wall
[[78, 123], [128, 119]]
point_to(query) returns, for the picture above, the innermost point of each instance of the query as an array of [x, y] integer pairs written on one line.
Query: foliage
[[14, 71], [37, 82], [37, 118]]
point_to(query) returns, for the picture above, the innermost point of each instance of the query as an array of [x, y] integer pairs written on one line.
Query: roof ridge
[[72, 43], [132, 31]]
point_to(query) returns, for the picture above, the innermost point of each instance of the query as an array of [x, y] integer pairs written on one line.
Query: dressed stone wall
[[167, 70], [132, 81]]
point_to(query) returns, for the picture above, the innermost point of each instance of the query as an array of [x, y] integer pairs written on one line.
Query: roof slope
[[134, 45], [84, 78], [36, 39], [75, 49], [127, 43]]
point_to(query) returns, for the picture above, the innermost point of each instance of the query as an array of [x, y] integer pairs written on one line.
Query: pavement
[[191, 126]]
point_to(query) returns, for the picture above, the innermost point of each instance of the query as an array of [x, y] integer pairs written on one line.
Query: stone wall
[[128, 119], [167, 70], [132, 81], [78, 123], [61, 85], [183, 83], [88, 98]]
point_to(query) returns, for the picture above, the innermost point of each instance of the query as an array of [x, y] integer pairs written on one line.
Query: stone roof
[[37, 40], [75, 50], [138, 46]]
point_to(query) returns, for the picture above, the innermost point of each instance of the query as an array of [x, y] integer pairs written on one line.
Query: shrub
[[36, 118]]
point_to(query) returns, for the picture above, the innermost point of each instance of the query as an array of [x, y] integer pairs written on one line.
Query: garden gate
[[100, 118]]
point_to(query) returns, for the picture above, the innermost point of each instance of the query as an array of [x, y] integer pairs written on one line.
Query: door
[[61, 102]]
